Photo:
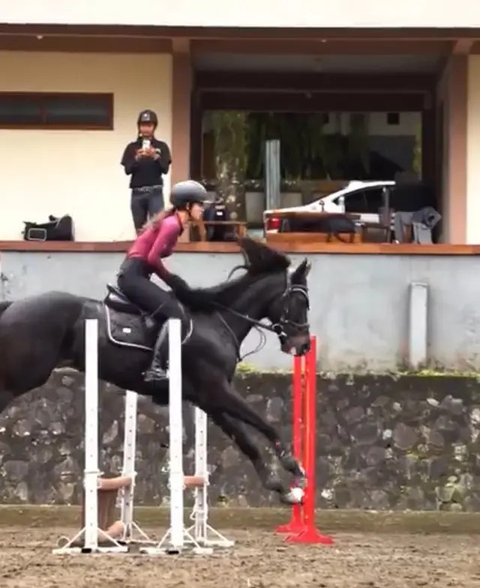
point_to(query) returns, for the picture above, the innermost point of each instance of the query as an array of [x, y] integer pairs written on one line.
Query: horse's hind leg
[[26, 361], [6, 397], [237, 433]]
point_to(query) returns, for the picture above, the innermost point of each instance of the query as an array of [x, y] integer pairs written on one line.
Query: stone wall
[[382, 443]]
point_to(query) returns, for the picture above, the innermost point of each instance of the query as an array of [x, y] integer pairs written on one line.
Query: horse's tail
[[4, 304]]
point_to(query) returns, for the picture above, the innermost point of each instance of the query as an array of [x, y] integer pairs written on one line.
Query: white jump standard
[[92, 480], [127, 493], [178, 537], [202, 531]]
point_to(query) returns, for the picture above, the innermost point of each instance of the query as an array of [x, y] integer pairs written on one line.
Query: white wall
[[78, 172], [473, 150], [249, 13]]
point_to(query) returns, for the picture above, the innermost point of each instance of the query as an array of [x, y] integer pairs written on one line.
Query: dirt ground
[[260, 559]]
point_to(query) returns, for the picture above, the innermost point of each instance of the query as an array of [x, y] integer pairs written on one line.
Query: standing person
[[146, 160]]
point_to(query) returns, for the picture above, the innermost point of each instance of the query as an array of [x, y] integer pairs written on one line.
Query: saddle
[[119, 301], [127, 324]]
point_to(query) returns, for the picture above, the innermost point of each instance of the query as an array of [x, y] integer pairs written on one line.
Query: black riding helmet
[[147, 116], [188, 192]]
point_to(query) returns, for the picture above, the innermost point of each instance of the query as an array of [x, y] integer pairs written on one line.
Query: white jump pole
[[176, 434], [92, 472], [91, 530], [200, 528], [177, 533], [179, 536], [127, 493]]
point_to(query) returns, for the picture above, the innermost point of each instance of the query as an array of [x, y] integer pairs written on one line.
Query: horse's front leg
[[226, 400], [237, 432]]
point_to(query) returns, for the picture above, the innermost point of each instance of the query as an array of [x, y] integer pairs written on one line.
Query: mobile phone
[[146, 144]]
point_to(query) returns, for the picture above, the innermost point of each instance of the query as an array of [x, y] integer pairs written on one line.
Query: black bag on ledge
[[57, 229]]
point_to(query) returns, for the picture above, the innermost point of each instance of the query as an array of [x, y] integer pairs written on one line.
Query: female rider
[[145, 258]]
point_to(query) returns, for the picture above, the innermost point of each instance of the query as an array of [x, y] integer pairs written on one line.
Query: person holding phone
[[146, 160]]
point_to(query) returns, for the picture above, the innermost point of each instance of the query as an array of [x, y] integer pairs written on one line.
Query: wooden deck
[[304, 246]]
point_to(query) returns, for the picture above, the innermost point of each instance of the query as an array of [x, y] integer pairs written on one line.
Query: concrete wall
[[72, 171], [250, 13], [359, 303]]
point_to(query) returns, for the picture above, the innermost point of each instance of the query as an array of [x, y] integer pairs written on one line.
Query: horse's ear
[[308, 266], [302, 271], [244, 243], [262, 258], [254, 251], [245, 246]]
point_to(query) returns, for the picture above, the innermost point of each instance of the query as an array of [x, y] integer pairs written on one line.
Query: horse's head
[[289, 312], [286, 294]]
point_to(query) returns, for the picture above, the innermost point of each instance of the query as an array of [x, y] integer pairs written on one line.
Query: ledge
[[230, 247], [109, 246]]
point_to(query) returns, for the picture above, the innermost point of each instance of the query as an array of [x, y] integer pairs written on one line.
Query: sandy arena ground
[[259, 560]]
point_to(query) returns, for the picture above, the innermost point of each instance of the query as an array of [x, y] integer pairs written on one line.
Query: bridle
[[279, 327], [284, 320]]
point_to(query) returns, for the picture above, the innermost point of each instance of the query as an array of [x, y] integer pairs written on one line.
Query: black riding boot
[[156, 372]]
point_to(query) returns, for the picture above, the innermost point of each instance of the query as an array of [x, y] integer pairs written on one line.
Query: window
[[355, 201], [374, 197], [28, 110], [393, 118]]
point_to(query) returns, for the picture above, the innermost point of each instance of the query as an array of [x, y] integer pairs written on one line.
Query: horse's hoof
[[294, 496]]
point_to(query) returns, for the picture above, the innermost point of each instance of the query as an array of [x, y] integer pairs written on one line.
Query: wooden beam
[[320, 47], [242, 80], [181, 109], [462, 46], [312, 102], [457, 129], [84, 44], [366, 33], [181, 45], [230, 247]]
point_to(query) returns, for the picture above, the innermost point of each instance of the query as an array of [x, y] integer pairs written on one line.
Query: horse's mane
[[259, 260]]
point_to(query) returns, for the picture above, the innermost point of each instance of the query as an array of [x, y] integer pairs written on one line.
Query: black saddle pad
[[130, 330]]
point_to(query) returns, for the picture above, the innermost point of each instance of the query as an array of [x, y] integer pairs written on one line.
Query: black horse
[[42, 332]]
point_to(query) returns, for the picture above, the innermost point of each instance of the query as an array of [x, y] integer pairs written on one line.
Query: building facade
[[185, 60]]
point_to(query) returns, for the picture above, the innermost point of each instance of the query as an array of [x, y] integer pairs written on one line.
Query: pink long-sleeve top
[[157, 242]]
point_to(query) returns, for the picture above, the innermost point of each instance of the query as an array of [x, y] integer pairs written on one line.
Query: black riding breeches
[[134, 281]]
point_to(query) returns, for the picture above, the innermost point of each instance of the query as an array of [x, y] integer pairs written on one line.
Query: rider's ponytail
[[156, 220]]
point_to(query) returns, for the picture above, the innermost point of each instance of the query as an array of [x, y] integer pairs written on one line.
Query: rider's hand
[[176, 283], [193, 298], [197, 299]]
